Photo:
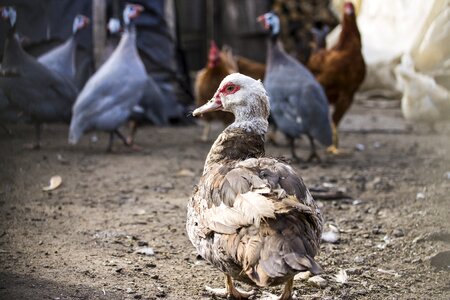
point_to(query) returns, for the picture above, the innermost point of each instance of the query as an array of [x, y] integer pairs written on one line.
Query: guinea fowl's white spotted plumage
[[251, 216]]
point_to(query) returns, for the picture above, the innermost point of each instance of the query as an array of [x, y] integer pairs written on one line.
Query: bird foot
[[235, 293], [270, 296], [333, 150]]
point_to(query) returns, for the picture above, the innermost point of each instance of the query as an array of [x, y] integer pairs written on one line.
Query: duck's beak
[[212, 105]]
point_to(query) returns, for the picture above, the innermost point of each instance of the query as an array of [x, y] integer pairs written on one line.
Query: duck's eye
[[230, 88]]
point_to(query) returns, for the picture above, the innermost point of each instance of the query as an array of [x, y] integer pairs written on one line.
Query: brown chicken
[[341, 69], [207, 81], [251, 68]]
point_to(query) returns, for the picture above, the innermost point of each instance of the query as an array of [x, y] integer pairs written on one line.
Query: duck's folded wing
[[267, 220]]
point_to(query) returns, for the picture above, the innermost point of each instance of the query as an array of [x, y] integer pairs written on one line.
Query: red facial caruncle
[[227, 89]]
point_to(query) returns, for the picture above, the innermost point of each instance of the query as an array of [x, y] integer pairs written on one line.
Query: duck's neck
[[241, 140]]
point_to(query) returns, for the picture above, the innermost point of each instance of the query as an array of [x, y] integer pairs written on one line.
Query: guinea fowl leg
[[230, 291], [37, 143], [313, 153], [125, 141], [133, 128], [295, 158], [111, 140]]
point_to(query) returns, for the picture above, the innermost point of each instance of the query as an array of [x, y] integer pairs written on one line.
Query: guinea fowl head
[[9, 13], [241, 95], [80, 22], [114, 26], [131, 11], [270, 22]]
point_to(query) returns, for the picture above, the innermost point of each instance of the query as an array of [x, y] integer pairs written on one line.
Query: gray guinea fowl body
[[299, 105], [109, 96], [30, 87], [153, 106], [61, 59], [298, 102]]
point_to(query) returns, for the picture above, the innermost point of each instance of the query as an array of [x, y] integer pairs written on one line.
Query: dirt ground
[[81, 241]]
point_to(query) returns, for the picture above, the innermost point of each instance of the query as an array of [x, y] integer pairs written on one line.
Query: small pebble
[[303, 276], [398, 232], [358, 259], [360, 147], [330, 237], [130, 291], [318, 281], [145, 251]]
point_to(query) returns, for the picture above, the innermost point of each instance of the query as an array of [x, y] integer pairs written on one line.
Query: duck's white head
[[241, 95]]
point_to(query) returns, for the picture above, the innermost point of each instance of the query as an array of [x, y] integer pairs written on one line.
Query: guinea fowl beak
[[212, 105]]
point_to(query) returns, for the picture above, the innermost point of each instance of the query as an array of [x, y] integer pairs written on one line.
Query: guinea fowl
[[251, 216], [41, 94], [207, 81], [107, 100], [298, 102], [62, 58]]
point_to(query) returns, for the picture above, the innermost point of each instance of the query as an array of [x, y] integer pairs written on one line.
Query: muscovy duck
[[62, 58], [107, 100], [298, 103], [41, 94], [251, 216]]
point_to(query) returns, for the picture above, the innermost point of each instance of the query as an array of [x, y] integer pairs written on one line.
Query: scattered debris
[[61, 159], [341, 277], [420, 196], [360, 147], [145, 251], [390, 272], [377, 145], [55, 182], [358, 259], [318, 281], [330, 237]]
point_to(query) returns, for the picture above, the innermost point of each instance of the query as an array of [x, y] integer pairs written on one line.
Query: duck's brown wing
[[265, 217]]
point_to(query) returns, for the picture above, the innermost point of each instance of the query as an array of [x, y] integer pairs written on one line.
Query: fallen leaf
[[185, 173], [55, 182]]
